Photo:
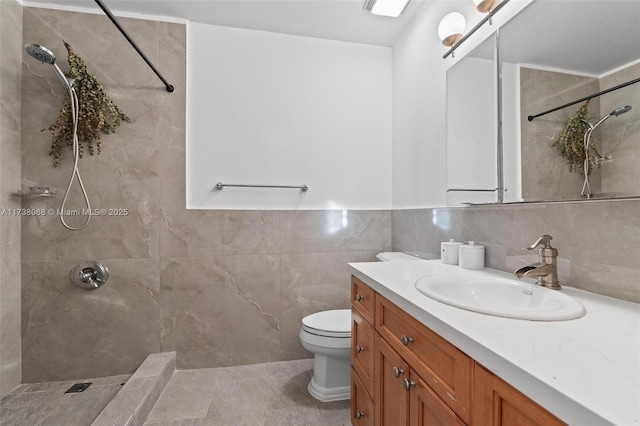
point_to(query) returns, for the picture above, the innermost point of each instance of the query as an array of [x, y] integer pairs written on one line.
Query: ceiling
[[583, 36], [343, 20]]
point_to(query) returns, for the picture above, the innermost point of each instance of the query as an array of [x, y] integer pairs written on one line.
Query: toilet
[[327, 335]]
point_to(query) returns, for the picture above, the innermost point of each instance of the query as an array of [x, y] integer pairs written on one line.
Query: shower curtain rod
[[113, 19], [586, 98]]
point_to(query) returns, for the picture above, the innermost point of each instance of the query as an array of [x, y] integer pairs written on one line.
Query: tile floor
[[273, 394], [47, 404]]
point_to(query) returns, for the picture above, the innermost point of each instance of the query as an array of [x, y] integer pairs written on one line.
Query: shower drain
[[78, 387]]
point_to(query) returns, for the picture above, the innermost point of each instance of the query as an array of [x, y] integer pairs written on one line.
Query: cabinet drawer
[[443, 367], [362, 408], [363, 299], [362, 349]]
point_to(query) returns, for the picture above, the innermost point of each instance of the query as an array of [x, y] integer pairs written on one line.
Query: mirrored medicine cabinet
[[551, 53]]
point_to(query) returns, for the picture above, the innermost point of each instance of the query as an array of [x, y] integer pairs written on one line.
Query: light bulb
[[485, 6], [451, 28]]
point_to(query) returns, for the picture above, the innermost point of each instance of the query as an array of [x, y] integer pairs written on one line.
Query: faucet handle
[[545, 239]]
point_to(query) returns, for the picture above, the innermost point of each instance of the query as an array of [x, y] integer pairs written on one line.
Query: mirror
[[556, 52], [472, 127]]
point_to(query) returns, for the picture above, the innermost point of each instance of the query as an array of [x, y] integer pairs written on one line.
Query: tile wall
[[598, 241], [221, 288], [10, 100]]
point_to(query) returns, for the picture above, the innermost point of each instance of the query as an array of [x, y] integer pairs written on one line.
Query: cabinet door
[[426, 408], [392, 401], [497, 403], [362, 407], [443, 366], [362, 351]]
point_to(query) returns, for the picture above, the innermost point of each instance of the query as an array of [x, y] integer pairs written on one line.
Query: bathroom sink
[[501, 297]]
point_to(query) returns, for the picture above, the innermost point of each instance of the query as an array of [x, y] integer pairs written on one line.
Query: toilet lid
[[332, 323]]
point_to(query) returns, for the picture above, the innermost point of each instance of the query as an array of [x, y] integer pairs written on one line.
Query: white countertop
[[586, 371]]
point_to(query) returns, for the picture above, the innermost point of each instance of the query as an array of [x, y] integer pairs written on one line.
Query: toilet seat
[[335, 323]]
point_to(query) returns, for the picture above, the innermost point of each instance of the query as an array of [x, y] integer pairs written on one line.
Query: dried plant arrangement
[[98, 114], [571, 145]]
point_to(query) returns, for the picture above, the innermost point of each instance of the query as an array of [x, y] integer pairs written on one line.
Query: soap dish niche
[[37, 192]]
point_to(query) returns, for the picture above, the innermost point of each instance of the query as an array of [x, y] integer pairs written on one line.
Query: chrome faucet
[[546, 270]]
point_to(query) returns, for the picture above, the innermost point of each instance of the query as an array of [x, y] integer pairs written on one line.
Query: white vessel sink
[[501, 297]]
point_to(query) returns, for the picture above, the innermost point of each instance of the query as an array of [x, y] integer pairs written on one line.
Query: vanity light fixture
[[392, 8], [451, 28], [452, 25], [485, 6]]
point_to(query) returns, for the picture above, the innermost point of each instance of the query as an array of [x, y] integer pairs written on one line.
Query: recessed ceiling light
[[393, 8]]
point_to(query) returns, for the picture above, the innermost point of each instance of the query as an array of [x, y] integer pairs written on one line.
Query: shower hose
[[75, 110]]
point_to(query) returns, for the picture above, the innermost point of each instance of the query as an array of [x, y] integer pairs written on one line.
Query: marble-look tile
[[241, 401], [10, 170], [188, 395], [217, 310], [123, 177], [313, 282], [287, 385], [70, 333], [598, 242], [124, 405], [156, 364], [10, 75], [81, 409], [318, 231], [220, 232], [30, 408], [545, 174]]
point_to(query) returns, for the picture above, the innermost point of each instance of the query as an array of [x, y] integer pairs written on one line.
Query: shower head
[[618, 111], [41, 53], [46, 56]]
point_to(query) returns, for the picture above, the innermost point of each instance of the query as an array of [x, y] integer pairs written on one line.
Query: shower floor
[[272, 394], [47, 404]]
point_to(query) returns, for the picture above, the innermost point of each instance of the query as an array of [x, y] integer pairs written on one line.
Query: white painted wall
[[269, 108]]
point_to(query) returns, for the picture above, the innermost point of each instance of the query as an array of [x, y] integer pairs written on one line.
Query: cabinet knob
[[359, 415], [406, 384], [406, 340], [359, 349], [359, 298], [397, 372]]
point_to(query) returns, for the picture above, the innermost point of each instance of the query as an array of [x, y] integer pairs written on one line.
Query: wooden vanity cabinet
[[405, 374]]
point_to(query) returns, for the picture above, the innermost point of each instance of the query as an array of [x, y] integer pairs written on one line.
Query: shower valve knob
[[89, 275]]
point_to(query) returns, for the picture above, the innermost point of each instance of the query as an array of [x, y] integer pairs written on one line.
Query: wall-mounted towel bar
[[220, 186], [470, 190]]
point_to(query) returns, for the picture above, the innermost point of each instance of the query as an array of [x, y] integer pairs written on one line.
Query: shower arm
[[113, 19]]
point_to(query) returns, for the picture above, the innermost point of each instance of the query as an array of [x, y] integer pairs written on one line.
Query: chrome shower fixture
[[46, 56], [586, 188], [89, 275], [618, 111]]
